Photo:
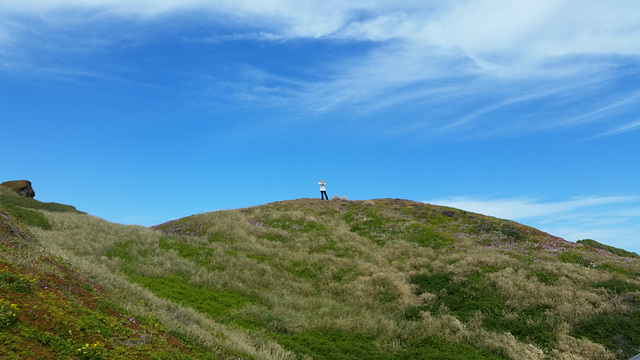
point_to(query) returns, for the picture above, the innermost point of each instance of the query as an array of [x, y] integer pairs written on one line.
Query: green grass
[[201, 255], [305, 270], [575, 257], [337, 345], [467, 299], [381, 225], [25, 210], [614, 268], [122, 251], [532, 325], [28, 216], [217, 304], [13, 200], [544, 277], [619, 333], [293, 225], [616, 251], [333, 345], [617, 285], [462, 299]]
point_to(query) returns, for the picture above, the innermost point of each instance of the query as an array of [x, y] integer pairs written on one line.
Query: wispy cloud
[[614, 220], [490, 55], [625, 128], [525, 208], [500, 36]]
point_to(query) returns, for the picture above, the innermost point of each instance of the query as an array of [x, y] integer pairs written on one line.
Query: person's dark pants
[[323, 195]]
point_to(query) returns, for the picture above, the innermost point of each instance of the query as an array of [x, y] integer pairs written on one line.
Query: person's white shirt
[[322, 186]]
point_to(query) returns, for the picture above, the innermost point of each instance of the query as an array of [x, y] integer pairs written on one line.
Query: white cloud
[[480, 28], [497, 35], [632, 126], [504, 35], [524, 208], [503, 52], [398, 25]]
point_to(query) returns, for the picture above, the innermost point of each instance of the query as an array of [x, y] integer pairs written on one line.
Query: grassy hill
[[49, 309], [311, 279]]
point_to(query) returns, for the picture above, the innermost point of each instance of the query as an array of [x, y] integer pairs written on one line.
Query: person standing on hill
[[323, 190]]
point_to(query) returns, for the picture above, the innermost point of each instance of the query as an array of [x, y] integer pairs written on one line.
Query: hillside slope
[[50, 310], [378, 279]]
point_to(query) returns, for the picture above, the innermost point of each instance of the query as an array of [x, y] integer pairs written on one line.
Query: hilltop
[[374, 279]]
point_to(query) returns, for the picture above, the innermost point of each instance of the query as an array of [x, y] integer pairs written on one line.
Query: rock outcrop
[[21, 187]]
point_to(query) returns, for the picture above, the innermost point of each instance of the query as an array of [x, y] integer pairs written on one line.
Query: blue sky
[[144, 111]]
